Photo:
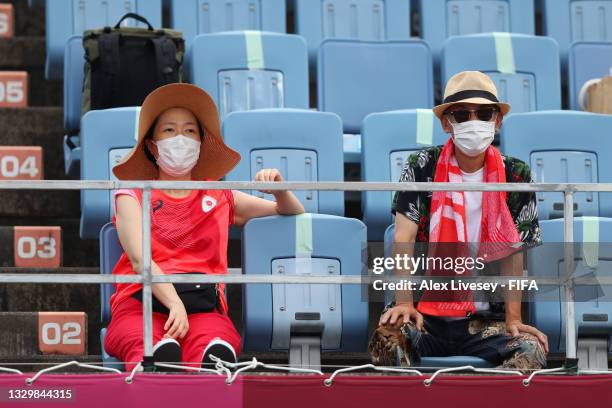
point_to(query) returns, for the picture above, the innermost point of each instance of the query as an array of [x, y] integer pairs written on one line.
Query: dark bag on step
[[197, 298], [124, 64]]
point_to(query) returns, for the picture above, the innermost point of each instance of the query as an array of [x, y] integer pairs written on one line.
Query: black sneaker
[[167, 351], [218, 348]]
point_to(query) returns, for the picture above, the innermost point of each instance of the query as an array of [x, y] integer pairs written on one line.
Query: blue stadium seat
[[432, 362], [106, 136], [563, 147], [441, 19], [587, 60], [193, 17], [65, 18], [525, 68], [251, 70], [569, 21], [74, 60], [304, 145], [110, 252], [386, 142], [365, 20], [592, 254], [352, 82], [312, 245]]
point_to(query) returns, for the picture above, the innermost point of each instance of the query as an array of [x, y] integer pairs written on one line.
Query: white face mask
[[473, 137], [177, 155]]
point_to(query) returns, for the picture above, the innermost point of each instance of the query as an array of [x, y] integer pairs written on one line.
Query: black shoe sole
[[220, 351], [169, 353]]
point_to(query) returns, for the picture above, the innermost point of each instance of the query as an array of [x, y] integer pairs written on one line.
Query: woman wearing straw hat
[[485, 225], [179, 139]]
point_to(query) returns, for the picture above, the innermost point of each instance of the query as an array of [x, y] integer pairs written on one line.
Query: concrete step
[[29, 334], [39, 203], [37, 126], [28, 54], [32, 297], [76, 252], [22, 53], [28, 21]]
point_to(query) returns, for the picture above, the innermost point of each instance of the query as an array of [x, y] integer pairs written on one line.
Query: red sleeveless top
[[188, 235]]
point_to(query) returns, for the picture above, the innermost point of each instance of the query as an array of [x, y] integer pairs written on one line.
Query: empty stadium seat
[[587, 60], [316, 317], [74, 60], [65, 18], [563, 147], [593, 305], [441, 19], [251, 70], [304, 145], [193, 17], [106, 136], [525, 68], [110, 252], [356, 78], [387, 140], [363, 20], [569, 21], [432, 362]]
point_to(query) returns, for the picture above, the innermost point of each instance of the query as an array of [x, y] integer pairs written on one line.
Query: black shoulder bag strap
[[110, 65], [165, 58]]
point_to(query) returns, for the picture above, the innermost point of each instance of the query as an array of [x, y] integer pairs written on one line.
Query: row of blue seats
[[567, 21], [355, 78], [336, 247], [560, 146]]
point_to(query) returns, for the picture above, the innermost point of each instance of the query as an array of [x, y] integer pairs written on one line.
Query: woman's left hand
[[269, 175]]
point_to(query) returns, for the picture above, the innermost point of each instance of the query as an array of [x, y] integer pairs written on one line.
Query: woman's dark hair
[[149, 136]]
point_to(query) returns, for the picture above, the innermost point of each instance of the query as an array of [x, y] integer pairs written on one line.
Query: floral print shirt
[[415, 205]]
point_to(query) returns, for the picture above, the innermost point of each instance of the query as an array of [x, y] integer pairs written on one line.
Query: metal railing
[[147, 279]]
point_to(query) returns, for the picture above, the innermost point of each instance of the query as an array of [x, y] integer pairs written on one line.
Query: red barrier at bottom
[[173, 391]]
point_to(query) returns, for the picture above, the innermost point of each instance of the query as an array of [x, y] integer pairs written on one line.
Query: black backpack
[[124, 64]]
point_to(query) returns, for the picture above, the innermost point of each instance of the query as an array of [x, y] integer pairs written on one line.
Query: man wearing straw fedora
[[492, 224]]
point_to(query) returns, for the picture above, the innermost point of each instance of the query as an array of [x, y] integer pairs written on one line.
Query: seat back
[[592, 254], [387, 139], [251, 70], [525, 68], [307, 245], [587, 60], [569, 21], [106, 136], [548, 143], [304, 145], [65, 18], [194, 17], [363, 20], [74, 60], [441, 19], [110, 252], [406, 82]]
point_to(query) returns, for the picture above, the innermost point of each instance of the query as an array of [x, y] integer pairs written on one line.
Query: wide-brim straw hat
[[470, 87], [216, 159]]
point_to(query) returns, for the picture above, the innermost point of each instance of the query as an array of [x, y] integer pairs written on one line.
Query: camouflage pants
[[441, 337]]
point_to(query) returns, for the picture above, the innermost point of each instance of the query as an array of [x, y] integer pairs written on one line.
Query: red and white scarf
[[498, 237]]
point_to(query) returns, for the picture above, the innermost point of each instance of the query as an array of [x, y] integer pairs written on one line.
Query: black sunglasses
[[484, 114]]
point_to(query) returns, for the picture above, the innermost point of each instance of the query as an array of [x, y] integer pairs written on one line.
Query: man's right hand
[[402, 314], [177, 324]]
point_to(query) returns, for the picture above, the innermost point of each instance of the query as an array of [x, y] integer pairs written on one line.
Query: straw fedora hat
[[216, 159], [470, 87]]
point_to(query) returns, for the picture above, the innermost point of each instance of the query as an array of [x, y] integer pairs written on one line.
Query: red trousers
[[124, 339]]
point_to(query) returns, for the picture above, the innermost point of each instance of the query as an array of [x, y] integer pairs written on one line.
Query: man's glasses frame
[[484, 113]]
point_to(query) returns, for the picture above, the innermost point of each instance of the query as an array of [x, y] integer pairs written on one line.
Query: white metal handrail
[[568, 189]]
